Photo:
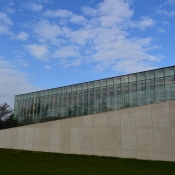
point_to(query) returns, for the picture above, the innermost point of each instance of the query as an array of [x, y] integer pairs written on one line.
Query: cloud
[[48, 67], [46, 31], [161, 30], [166, 13], [38, 51], [33, 6], [23, 63], [78, 19], [10, 10], [132, 66], [101, 38], [22, 36], [5, 23], [88, 11], [12, 82], [66, 52], [65, 14], [166, 9], [58, 13], [146, 22], [168, 2]]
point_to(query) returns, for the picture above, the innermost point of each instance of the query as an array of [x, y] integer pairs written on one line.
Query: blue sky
[[47, 43]]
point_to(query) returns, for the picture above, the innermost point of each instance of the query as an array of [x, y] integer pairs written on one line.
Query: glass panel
[[74, 88], [64, 109], [103, 99], [69, 99], [74, 103], [97, 100], [110, 81], [141, 93], [140, 76], [35, 94], [160, 90], [117, 97], [59, 105], [85, 102], [46, 92], [91, 101], [96, 83], [79, 104], [110, 98], [102, 83], [69, 88], [64, 89], [132, 77], [170, 88], [169, 71], [124, 79], [50, 91], [55, 91], [133, 94], [124, 95], [150, 91], [90, 85], [42, 93], [79, 86], [85, 85], [159, 73], [60, 90], [150, 74], [117, 80]]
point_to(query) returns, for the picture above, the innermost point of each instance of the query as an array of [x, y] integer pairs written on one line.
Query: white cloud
[[146, 22], [166, 13], [161, 30], [12, 82], [78, 19], [38, 51], [23, 63], [103, 40], [58, 13], [33, 6], [22, 36], [5, 23], [168, 2], [89, 11], [46, 31], [132, 66], [48, 67], [66, 52], [10, 10]]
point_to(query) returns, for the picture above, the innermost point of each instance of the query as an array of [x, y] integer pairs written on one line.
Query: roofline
[[95, 80]]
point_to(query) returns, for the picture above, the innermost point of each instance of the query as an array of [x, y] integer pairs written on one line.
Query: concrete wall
[[146, 132]]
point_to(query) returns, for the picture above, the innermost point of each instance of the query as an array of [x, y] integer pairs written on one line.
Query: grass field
[[17, 162]]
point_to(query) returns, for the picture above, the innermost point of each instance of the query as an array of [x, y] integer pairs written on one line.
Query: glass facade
[[109, 94]]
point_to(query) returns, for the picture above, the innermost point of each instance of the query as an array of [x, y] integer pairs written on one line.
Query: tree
[[5, 110]]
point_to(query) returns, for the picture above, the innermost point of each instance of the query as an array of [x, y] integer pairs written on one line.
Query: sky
[[51, 43]]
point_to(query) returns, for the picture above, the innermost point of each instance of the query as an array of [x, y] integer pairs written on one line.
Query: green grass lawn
[[19, 162]]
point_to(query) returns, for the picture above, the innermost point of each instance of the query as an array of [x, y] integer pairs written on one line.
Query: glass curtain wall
[[115, 93]]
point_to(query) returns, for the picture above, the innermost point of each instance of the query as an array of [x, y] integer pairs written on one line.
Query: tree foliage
[[5, 110]]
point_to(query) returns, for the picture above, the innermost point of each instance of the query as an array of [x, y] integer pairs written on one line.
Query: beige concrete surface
[[14, 138], [146, 132], [113, 119], [1, 138], [172, 113], [143, 117]]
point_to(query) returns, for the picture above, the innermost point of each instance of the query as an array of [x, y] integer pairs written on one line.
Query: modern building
[[129, 116], [99, 96]]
